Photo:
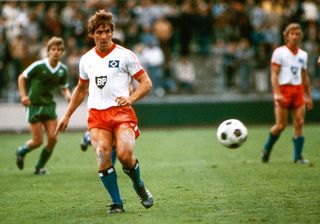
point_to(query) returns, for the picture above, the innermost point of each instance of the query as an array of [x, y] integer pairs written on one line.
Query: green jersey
[[43, 81]]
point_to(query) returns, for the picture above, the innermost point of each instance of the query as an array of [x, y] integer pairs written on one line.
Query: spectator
[[52, 24], [152, 58], [245, 56], [218, 51], [185, 75], [185, 27], [203, 27], [230, 63]]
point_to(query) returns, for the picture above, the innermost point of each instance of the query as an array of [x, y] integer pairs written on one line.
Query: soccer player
[[291, 91], [37, 86], [86, 139], [105, 71]]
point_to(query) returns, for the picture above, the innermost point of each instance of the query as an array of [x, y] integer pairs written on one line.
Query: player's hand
[[309, 104], [68, 98], [123, 101], [62, 125], [319, 60], [25, 101], [278, 97]]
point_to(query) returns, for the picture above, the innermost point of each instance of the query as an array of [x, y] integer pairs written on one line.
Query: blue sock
[[113, 155], [134, 175], [271, 140], [298, 147], [23, 150], [109, 180]]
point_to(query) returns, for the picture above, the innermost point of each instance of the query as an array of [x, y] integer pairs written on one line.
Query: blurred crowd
[[235, 37]]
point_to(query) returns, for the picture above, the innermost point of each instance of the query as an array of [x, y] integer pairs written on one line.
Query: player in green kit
[[37, 87]]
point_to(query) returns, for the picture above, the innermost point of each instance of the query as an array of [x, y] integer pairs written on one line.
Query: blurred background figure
[[152, 58], [185, 75], [245, 56], [230, 64]]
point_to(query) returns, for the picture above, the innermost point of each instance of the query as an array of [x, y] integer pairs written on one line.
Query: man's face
[[294, 37], [102, 37], [55, 52]]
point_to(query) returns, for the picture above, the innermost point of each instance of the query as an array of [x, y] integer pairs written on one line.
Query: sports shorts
[[41, 113], [112, 118], [293, 96]]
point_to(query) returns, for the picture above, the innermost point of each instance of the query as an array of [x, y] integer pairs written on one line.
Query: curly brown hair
[[100, 17]]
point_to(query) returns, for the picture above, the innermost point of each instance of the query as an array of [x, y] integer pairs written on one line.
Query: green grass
[[192, 177]]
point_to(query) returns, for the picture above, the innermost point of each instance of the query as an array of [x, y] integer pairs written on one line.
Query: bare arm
[[77, 97], [25, 101], [275, 70], [143, 89], [307, 89], [66, 93]]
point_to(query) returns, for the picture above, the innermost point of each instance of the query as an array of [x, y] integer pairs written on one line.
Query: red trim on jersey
[[83, 80], [138, 73], [273, 63], [293, 51], [103, 54]]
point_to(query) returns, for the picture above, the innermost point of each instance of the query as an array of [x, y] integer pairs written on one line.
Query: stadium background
[[226, 46]]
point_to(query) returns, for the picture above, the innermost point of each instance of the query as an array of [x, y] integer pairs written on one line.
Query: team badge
[[60, 72], [114, 63], [301, 61], [101, 81], [294, 70]]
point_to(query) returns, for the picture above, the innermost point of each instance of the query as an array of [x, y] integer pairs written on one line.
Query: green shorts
[[41, 113]]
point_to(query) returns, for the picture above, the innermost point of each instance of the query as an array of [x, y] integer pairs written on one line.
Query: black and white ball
[[232, 133]]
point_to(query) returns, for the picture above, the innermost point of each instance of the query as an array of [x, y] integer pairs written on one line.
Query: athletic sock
[[44, 157], [271, 140], [113, 155], [298, 142], [134, 175], [109, 180], [23, 150]]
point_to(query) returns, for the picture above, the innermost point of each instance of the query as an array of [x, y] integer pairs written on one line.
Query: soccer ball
[[232, 133]]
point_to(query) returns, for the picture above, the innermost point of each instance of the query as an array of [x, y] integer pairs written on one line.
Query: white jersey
[[291, 64], [109, 75]]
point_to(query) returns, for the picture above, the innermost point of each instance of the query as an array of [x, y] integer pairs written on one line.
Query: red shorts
[[112, 118], [293, 96]]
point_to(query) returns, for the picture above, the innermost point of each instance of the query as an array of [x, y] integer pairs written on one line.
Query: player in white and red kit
[[105, 73], [291, 91]]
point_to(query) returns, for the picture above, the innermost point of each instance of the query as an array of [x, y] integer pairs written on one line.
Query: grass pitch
[[192, 177]]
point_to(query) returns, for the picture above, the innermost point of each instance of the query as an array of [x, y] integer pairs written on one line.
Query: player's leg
[[46, 152], [125, 142], [298, 115], [101, 141], [281, 117], [86, 142], [113, 154], [34, 142]]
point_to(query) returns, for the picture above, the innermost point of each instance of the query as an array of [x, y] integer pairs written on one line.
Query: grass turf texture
[[192, 177]]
